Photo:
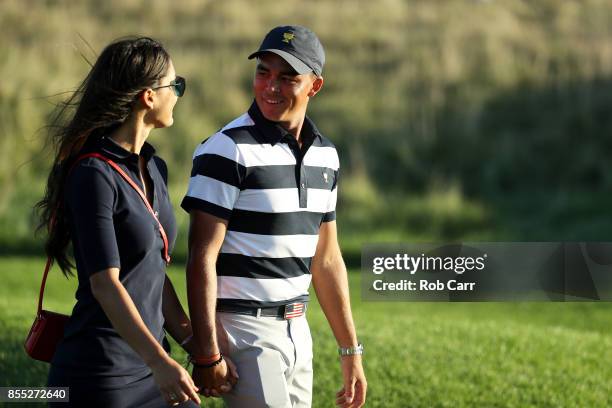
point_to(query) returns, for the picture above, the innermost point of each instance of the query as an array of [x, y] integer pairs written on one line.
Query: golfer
[[262, 198]]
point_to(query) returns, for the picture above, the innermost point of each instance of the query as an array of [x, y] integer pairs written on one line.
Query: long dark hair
[[101, 103]]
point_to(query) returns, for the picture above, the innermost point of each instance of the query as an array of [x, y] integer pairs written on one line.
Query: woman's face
[[165, 99]]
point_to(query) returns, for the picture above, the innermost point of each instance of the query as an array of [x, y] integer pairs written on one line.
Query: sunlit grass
[[417, 354]]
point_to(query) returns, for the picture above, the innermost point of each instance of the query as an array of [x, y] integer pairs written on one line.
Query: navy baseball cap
[[297, 45]]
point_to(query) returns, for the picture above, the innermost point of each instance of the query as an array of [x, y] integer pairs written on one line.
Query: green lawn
[[417, 354]]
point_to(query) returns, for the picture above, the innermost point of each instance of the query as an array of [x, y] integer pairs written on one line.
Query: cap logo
[[288, 36]]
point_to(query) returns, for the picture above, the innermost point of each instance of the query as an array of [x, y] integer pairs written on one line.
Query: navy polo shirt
[[111, 227]]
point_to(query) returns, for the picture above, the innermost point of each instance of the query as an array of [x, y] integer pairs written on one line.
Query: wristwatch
[[351, 351]]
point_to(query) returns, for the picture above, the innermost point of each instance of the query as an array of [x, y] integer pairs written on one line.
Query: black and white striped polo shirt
[[275, 197]]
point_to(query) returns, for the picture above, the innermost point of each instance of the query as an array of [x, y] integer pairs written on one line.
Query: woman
[[114, 353]]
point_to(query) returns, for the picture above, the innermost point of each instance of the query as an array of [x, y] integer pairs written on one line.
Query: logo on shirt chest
[[325, 177]]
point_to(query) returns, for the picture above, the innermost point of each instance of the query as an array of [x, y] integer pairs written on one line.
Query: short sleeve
[[217, 175], [330, 214], [162, 168], [90, 198]]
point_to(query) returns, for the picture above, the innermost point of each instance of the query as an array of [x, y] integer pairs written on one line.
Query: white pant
[[273, 357]]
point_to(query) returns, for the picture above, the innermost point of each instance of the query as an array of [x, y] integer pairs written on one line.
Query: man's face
[[281, 94]]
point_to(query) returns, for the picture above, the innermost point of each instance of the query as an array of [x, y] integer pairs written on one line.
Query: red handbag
[[48, 327]]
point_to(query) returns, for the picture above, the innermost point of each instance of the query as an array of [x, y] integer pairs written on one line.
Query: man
[[262, 199]]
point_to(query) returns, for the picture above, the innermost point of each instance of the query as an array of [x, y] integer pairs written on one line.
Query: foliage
[[477, 102]]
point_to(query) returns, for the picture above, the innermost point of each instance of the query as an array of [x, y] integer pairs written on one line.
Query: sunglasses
[[178, 85]]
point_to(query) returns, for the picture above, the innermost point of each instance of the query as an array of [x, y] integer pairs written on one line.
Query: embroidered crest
[[288, 36]]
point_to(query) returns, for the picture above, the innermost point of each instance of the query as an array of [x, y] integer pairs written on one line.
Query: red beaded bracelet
[[205, 360], [198, 363]]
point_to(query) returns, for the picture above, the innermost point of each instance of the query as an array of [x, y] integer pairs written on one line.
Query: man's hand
[[206, 235], [217, 380], [353, 394], [330, 281]]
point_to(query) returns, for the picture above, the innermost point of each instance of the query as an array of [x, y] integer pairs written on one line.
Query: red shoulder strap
[[143, 197], [42, 286], [140, 193]]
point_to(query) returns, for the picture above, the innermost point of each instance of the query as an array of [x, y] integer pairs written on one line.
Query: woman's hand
[[174, 381]]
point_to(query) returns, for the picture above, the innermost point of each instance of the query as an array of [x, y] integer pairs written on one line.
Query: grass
[[417, 354]]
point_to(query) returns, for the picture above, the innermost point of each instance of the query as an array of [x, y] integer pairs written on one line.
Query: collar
[[273, 132], [115, 152]]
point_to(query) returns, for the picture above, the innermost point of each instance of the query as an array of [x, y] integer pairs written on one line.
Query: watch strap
[[351, 351]]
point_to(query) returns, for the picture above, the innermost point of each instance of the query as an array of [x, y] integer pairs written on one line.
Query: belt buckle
[[293, 310]]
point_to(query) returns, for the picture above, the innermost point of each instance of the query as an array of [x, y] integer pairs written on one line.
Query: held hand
[[174, 381], [233, 371], [353, 394], [216, 380]]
